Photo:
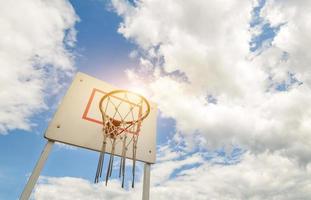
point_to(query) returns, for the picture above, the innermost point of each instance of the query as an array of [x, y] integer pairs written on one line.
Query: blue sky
[[231, 78]]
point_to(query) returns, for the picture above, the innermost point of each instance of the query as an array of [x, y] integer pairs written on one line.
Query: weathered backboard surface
[[78, 120]]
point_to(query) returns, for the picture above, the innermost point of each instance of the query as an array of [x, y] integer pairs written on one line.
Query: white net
[[122, 113]]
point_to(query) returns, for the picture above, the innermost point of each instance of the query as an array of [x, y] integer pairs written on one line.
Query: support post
[[146, 183], [36, 171]]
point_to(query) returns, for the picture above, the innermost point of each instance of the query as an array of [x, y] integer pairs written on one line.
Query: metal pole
[[146, 184], [36, 171]]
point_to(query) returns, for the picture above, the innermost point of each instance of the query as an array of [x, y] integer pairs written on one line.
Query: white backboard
[[78, 120]]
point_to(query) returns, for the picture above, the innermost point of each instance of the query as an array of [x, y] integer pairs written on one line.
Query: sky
[[231, 78]]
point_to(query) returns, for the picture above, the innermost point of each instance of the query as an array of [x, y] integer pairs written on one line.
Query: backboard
[[78, 120]]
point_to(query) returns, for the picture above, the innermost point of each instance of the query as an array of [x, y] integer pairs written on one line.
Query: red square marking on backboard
[[86, 115], [86, 111]]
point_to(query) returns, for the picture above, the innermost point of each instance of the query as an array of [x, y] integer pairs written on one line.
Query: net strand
[[135, 137], [103, 157]]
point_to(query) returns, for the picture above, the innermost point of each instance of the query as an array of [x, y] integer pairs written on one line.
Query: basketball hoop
[[114, 128], [122, 115]]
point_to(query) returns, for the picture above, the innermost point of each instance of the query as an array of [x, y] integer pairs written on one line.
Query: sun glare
[[140, 90]]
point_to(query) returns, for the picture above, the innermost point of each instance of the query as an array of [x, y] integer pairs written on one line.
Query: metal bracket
[[146, 183], [36, 171]]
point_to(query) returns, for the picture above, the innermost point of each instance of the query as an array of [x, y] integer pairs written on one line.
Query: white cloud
[[207, 44], [199, 49], [194, 38], [256, 177], [265, 176], [68, 188], [34, 57], [292, 38]]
